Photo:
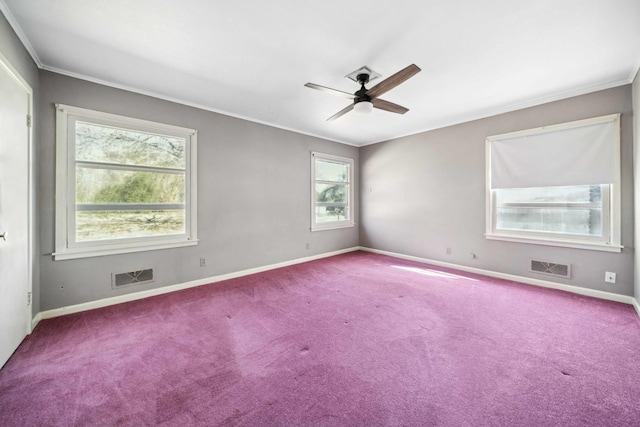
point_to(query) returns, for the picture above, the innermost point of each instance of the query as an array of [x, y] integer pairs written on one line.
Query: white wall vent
[[119, 280], [551, 268]]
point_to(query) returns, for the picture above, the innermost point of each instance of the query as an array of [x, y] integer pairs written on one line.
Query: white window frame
[[611, 197], [331, 225], [66, 246]]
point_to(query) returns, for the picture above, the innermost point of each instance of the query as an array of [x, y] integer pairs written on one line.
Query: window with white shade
[[331, 192], [122, 184], [556, 185]]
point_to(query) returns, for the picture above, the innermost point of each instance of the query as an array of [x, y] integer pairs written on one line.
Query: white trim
[[117, 121], [31, 182], [66, 246], [113, 249], [190, 104], [636, 305], [48, 314], [611, 202], [491, 112], [521, 279], [556, 127], [557, 242], [333, 226], [36, 319], [634, 72], [21, 35], [442, 124], [351, 222]]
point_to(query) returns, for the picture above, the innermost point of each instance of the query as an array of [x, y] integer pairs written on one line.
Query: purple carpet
[[353, 340]]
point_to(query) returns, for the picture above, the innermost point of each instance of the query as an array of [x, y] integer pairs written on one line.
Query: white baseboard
[[521, 279], [34, 322], [636, 305], [48, 314]]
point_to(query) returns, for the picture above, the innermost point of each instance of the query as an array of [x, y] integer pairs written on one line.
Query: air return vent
[[119, 280], [551, 268]]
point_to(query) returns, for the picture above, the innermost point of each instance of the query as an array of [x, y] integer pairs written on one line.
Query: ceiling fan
[[365, 100]]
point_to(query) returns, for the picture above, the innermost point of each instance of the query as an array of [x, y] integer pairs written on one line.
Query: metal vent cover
[[551, 268], [119, 280]]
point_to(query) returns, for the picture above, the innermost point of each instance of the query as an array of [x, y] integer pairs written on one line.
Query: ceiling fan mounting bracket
[[363, 70], [363, 78]]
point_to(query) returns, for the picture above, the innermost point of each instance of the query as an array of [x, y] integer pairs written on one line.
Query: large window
[[332, 192], [558, 185], [122, 184]]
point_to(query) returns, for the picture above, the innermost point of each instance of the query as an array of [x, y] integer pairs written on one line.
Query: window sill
[[556, 242], [117, 249], [332, 226]]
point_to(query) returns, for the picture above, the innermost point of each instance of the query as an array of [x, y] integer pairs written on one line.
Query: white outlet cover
[[610, 277]]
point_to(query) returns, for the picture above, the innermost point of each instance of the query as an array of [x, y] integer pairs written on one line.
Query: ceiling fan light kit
[[363, 107], [365, 100], [362, 102]]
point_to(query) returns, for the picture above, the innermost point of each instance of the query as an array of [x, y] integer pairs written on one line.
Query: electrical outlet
[[448, 251], [203, 262], [306, 246], [610, 277]]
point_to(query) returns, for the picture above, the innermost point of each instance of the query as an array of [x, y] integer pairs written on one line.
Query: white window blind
[[584, 152]]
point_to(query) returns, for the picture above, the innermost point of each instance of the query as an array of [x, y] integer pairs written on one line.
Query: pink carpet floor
[[353, 340]]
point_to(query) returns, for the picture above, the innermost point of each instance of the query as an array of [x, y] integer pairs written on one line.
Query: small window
[[332, 192], [558, 185], [123, 184]]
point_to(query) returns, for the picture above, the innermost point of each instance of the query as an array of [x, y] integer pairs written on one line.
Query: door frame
[[6, 65]]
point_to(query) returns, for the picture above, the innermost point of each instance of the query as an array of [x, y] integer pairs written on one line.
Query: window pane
[[331, 213], [329, 171], [118, 186], [97, 143], [331, 184], [553, 220], [572, 194], [326, 193], [101, 225], [572, 218]]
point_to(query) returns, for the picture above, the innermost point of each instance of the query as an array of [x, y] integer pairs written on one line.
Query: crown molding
[[21, 35]]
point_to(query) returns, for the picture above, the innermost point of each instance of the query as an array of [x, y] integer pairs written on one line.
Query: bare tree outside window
[[128, 183]]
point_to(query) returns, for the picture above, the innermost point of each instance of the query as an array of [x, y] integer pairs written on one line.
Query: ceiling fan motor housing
[[361, 95]]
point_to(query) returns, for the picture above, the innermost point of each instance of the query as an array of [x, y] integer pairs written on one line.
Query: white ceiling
[[251, 58]]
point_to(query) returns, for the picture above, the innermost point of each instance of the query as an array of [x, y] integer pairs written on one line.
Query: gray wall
[[12, 49], [423, 193], [253, 196], [420, 194], [636, 164]]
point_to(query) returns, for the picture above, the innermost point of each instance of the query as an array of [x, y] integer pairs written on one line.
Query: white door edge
[[6, 65]]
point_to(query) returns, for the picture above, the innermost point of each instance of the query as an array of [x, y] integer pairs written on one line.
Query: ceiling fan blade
[[381, 104], [331, 91], [341, 112], [393, 81]]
